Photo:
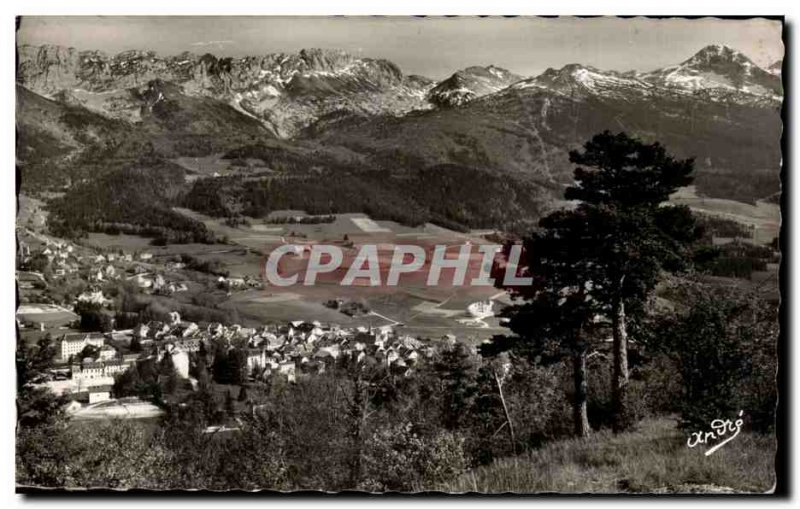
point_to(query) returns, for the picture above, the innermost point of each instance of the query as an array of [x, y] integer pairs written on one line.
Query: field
[[121, 242], [238, 260], [652, 459], [31, 212], [417, 309], [763, 217], [215, 165], [414, 307], [49, 315]]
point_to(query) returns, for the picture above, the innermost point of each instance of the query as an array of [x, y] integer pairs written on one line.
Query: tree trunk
[[581, 393], [620, 376], [505, 411]]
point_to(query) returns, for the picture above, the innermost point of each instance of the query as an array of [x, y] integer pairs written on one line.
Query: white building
[[90, 373], [100, 393], [73, 344], [256, 359]]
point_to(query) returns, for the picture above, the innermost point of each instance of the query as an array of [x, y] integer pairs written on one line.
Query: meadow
[[652, 459]]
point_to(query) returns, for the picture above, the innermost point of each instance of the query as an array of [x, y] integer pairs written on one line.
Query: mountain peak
[[715, 55], [716, 49], [581, 80], [471, 83], [325, 59], [720, 68], [776, 68]]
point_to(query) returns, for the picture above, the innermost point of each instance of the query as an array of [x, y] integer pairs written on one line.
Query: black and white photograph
[[400, 254]]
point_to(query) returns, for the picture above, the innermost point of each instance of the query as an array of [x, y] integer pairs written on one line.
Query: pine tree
[[220, 366], [202, 375], [557, 320], [457, 370], [167, 370], [621, 184]]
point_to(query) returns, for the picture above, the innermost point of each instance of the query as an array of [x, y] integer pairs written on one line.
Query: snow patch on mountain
[[290, 91], [471, 83]]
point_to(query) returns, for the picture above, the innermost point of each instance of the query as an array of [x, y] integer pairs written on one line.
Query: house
[[99, 393], [95, 297], [141, 281], [174, 318], [332, 351], [88, 370], [186, 329], [141, 331], [159, 283], [256, 359], [156, 329], [180, 359], [107, 353], [187, 345], [287, 368], [410, 343], [130, 358], [231, 283], [273, 342]]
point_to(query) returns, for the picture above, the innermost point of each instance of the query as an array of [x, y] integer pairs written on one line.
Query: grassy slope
[[654, 458]]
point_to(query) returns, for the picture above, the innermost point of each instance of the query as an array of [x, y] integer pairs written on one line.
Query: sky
[[431, 46]]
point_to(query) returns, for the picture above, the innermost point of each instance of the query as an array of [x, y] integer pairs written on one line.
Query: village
[[87, 364]]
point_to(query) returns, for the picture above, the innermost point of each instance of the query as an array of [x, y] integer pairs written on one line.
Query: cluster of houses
[[95, 296], [305, 347], [295, 349], [87, 363], [64, 258], [61, 256], [238, 283], [156, 283], [312, 347]]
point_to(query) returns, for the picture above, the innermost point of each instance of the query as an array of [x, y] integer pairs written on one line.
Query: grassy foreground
[[654, 458]]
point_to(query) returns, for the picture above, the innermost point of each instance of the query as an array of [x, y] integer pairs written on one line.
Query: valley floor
[[652, 459]]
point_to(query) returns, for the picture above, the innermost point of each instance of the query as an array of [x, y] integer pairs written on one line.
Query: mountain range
[[332, 111], [288, 92]]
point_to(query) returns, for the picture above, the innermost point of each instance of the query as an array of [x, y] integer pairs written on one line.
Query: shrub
[[723, 344], [398, 458]]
